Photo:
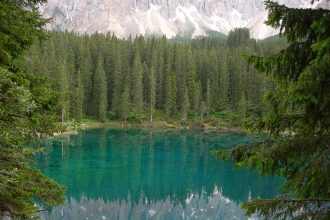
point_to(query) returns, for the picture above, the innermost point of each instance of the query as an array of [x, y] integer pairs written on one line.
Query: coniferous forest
[[48, 78], [102, 77]]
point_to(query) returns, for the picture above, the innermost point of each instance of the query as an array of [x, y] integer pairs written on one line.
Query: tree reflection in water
[[196, 206]]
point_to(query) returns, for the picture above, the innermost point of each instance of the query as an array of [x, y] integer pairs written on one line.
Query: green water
[[141, 174]]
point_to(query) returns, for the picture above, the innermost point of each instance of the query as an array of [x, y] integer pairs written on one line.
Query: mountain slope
[[190, 18]]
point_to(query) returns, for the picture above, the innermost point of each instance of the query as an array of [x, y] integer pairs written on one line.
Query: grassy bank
[[218, 121]]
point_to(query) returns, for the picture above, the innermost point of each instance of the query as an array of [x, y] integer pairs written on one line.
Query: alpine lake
[[151, 174]]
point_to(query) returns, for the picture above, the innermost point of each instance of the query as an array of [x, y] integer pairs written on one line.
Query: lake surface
[[141, 174]]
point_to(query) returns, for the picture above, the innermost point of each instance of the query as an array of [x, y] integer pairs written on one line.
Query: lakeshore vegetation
[[48, 77]]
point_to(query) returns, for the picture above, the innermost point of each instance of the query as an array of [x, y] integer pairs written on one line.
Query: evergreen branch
[[284, 207]]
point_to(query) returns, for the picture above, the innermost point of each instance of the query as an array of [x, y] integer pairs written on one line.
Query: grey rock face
[[162, 17]]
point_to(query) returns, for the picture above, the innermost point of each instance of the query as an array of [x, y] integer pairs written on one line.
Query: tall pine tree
[[152, 93], [136, 87], [100, 100]]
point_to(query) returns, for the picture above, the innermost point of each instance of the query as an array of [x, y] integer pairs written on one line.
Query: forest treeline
[[100, 76]]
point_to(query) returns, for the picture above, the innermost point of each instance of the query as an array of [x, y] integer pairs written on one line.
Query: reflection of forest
[[109, 164], [197, 206]]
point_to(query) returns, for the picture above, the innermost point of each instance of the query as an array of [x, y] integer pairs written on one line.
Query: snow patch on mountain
[[151, 21]]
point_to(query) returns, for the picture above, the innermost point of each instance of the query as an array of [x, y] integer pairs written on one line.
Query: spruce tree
[[77, 97], [197, 99], [86, 70], [145, 81], [213, 76], [159, 76], [136, 88], [169, 91], [117, 84], [125, 104], [185, 104], [242, 105], [236, 70], [27, 113], [179, 71], [100, 92], [62, 82], [190, 76], [223, 85], [208, 97], [152, 93], [297, 119], [174, 96], [201, 105]]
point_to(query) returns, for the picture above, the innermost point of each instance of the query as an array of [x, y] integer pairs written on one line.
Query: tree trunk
[[150, 120], [62, 115]]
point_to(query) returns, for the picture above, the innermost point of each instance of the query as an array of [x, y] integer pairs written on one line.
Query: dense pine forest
[[136, 79], [73, 77]]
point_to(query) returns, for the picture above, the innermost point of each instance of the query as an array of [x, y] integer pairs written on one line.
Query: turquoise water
[[141, 174]]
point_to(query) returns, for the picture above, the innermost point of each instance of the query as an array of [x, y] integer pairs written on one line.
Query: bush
[[134, 117], [111, 115]]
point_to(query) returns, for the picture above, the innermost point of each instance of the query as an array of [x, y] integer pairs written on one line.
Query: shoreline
[[75, 127]]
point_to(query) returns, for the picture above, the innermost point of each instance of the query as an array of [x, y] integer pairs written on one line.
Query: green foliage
[[77, 97], [239, 37], [125, 104], [170, 92], [298, 117], [185, 105], [223, 86], [111, 115], [100, 100], [134, 117], [152, 92], [136, 84], [26, 113], [20, 26], [242, 105], [155, 71], [270, 209]]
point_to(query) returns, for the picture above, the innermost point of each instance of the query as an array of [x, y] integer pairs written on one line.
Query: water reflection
[[196, 206], [101, 167]]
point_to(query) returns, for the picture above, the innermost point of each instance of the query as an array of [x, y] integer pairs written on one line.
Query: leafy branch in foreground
[[298, 118], [283, 207]]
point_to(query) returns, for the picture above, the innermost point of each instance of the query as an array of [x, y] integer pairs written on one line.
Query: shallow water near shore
[[150, 174]]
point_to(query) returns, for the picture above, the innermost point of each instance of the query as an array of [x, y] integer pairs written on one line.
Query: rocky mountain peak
[[189, 18]]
